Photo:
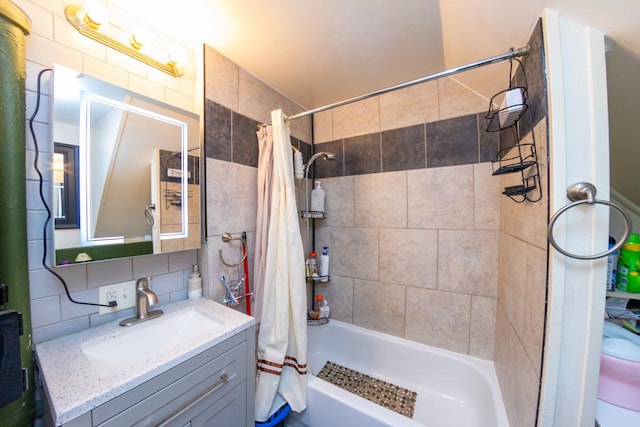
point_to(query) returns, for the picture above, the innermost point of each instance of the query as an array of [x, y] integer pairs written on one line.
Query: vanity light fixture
[[92, 21]]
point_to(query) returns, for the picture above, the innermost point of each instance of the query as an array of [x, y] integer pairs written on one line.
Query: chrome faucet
[[144, 298]]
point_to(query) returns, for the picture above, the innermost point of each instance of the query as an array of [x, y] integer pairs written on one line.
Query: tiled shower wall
[[522, 282], [54, 41], [412, 216], [235, 103]]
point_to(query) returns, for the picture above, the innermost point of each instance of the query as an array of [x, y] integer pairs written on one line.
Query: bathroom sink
[[144, 341]]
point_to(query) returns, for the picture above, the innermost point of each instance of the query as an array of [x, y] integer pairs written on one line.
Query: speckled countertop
[[75, 387]]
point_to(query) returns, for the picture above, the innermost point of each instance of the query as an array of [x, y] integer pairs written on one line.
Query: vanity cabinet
[[213, 388]]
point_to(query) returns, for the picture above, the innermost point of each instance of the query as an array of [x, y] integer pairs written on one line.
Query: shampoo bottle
[[317, 198], [323, 268], [194, 285]]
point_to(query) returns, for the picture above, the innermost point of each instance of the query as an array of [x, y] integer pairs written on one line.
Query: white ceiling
[[320, 52]]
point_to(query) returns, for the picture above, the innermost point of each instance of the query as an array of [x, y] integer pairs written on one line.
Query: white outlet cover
[[124, 295]]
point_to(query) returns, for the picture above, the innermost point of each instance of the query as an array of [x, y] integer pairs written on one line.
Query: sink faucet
[[144, 298]]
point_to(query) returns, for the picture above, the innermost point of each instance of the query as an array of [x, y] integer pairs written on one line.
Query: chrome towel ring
[[581, 193], [227, 237], [148, 214]]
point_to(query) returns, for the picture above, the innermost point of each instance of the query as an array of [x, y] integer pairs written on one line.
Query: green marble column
[[14, 271]]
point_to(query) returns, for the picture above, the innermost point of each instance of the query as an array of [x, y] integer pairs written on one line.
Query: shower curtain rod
[[513, 53]]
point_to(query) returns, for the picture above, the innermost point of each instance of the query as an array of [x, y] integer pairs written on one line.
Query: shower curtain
[[282, 339], [265, 171]]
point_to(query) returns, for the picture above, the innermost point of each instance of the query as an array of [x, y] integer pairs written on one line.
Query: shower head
[[323, 154]]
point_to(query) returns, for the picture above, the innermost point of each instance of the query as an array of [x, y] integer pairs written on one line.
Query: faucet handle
[[143, 283]]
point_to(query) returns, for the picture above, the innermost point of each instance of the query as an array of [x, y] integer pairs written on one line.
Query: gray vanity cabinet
[[213, 388]]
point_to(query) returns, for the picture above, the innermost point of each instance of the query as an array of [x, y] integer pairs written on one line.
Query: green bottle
[[628, 275]]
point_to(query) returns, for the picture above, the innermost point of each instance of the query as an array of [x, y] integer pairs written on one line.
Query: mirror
[[136, 165], [624, 104]]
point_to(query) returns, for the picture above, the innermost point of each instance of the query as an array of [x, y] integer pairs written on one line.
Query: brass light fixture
[[91, 21]]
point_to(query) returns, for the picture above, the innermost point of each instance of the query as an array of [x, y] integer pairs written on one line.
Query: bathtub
[[453, 389]]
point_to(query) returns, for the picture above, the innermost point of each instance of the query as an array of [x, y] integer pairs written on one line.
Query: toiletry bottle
[[194, 285], [628, 279], [312, 270], [612, 266], [317, 198], [323, 267], [323, 309]]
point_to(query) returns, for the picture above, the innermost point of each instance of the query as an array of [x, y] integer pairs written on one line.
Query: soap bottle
[[317, 198], [323, 268], [194, 285]]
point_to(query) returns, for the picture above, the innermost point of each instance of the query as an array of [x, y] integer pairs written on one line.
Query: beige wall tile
[[483, 327], [339, 201], [256, 99], [486, 198], [381, 199], [222, 79], [468, 261], [300, 128], [439, 319], [409, 257], [339, 294], [355, 252], [457, 100], [227, 208], [511, 279], [409, 106], [323, 127], [517, 377], [535, 295], [440, 197], [379, 306], [359, 118], [527, 220]]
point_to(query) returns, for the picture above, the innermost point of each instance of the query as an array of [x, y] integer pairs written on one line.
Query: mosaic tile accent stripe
[[387, 395]]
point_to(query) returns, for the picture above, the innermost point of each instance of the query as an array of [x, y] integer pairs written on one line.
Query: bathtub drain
[[390, 396]]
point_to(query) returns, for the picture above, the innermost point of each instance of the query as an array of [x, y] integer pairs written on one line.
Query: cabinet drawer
[[158, 399]]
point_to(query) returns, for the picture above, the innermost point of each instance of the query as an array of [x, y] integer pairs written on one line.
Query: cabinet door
[[228, 411]]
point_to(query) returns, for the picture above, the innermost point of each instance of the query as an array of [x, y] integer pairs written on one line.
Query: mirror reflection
[[138, 169]]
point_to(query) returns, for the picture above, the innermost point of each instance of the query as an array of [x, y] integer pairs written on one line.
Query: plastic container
[[317, 198], [628, 274], [194, 285], [323, 267], [310, 264]]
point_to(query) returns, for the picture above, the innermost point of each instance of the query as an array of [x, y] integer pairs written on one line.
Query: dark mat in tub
[[390, 396]]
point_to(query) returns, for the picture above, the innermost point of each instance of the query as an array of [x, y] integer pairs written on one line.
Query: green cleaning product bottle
[[628, 274]]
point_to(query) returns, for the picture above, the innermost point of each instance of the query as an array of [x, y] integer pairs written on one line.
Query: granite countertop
[[74, 386]]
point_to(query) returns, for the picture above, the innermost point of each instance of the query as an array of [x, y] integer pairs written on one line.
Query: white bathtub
[[453, 389]]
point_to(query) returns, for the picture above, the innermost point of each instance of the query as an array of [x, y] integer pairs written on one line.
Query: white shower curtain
[[282, 339], [265, 178]]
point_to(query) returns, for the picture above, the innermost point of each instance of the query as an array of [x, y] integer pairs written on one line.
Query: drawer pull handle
[[223, 379]]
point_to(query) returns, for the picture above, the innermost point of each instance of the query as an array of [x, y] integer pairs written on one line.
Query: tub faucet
[[144, 298]]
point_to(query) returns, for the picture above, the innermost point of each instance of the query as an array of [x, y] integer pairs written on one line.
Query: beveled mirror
[[139, 171]]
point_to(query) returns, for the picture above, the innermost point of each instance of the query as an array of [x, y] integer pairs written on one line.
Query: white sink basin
[[145, 340]]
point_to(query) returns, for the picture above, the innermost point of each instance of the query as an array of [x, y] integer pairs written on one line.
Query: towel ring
[[227, 237], [148, 214], [581, 193]]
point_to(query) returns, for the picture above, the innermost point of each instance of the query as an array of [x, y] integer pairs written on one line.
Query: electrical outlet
[[122, 293]]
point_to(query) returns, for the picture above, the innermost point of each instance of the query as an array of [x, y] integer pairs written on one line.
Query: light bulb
[[94, 14]]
